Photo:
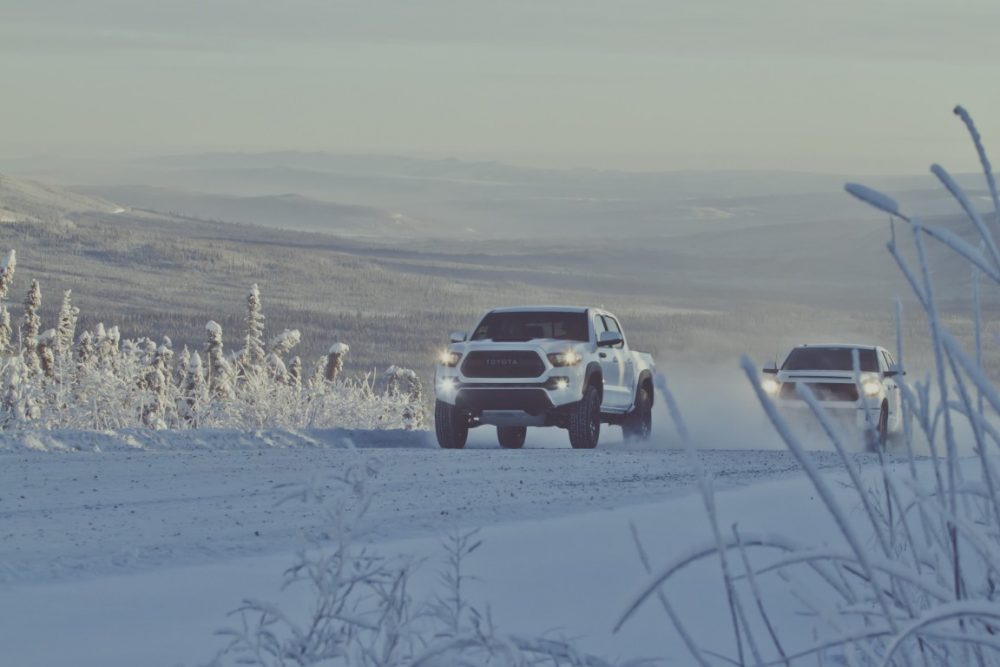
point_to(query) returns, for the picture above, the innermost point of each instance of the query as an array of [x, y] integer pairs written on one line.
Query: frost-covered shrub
[[917, 580], [404, 382], [335, 361], [96, 380]]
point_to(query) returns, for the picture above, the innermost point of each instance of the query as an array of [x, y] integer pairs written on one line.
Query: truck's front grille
[[824, 391], [502, 364]]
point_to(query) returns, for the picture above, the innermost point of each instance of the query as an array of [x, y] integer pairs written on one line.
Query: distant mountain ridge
[[397, 196], [273, 210]]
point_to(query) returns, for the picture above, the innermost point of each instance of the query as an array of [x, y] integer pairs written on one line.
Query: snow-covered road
[[82, 514], [137, 544]]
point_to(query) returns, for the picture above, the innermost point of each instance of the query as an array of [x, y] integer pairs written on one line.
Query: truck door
[[626, 361], [612, 366]]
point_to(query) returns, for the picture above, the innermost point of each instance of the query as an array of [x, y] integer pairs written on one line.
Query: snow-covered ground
[[136, 551]]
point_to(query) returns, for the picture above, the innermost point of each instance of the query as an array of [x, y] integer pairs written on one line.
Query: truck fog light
[[447, 384], [557, 382]]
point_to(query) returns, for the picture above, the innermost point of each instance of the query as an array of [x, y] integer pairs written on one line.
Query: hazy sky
[[843, 86]]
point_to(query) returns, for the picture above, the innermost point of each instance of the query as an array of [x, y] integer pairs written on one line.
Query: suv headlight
[[871, 387], [567, 358], [770, 386], [449, 359]]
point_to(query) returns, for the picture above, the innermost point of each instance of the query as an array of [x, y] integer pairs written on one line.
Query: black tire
[[450, 425], [512, 437], [638, 424], [881, 430], [585, 420], [883, 426]]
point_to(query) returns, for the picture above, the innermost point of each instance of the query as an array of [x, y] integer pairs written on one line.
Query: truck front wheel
[[512, 437], [585, 420], [451, 426]]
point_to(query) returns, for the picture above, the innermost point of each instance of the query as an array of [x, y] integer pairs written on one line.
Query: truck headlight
[[871, 387], [770, 386], [449, 358], [563, 359]]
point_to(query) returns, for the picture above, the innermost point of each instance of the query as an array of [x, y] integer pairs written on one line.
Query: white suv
[[858, 393], [542, 366]]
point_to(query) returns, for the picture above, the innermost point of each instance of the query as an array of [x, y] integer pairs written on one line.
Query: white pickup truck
[[542, 366]]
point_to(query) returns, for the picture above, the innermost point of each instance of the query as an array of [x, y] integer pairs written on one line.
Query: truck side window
[[599, 327], [887, 358]]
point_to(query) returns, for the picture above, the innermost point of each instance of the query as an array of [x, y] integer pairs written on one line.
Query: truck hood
[[822, 376]]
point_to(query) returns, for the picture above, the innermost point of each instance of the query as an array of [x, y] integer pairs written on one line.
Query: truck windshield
[[520, 326], [829, 359]]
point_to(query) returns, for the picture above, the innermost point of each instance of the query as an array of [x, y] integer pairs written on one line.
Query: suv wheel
[[451, 426], [881, 432], [512, 437], [638, 424], [585, 420], [883, 426]]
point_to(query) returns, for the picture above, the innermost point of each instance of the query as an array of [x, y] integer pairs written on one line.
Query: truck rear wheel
[[512, 437], [451, 426], [638, 424], [585, 420]]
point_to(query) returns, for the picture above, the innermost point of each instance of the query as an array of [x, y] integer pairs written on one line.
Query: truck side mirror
[[771, 368], [609, 339], [456, 337]]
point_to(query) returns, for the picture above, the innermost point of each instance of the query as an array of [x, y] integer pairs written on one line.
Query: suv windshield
[[528, 325], [830, 359]]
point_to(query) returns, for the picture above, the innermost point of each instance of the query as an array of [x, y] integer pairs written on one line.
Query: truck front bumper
[[534, 397], [854, 413], [532, 400]]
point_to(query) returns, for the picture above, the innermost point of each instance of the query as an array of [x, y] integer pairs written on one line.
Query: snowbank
[[67, 440]]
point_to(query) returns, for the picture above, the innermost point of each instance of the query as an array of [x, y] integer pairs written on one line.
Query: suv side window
[[612, 325]]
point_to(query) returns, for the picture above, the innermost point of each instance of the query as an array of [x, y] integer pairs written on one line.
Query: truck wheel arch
[[595, 377], [646, 382]]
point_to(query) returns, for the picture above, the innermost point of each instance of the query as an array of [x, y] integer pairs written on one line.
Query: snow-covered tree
[[47, 353], [219, 371], [85, 348], [6, 280], [17, 404], [7, 274], [66, 327], [195, 396], [106, 342], [6, 332], [182, 363], [253, 339], [31, 325]]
